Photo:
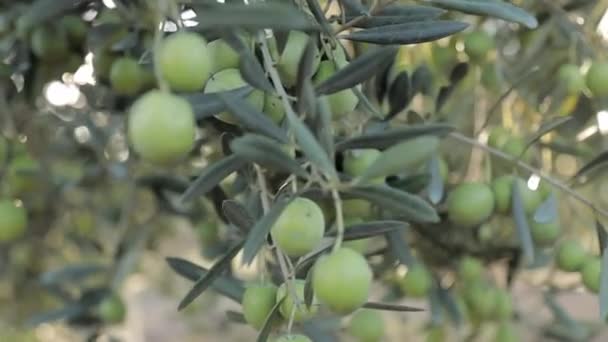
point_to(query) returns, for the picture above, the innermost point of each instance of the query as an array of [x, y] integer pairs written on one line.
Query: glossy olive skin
[[357, 161], [597, 79], [417, 282], [366, 326], [273, 107], [258, 301], [591, 274], [470, 204], [299, 228], [161, 127], [342, 280], [503, 190], [545, 234], [222, 56], [570, 256], [301, 313], [291, 56], [126, 76], [481, 299], [112, 309], [470, 269], [13, 221], [571, 78], [185, 62], [477, 45]]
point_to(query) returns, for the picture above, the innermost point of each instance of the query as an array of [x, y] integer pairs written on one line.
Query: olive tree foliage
[[333, 145]]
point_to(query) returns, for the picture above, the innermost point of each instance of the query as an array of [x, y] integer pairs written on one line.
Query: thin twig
[[339, 219]]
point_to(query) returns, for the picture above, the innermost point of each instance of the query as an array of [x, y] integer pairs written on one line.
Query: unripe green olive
[[597, 79], [477, 44], [570, 256], [357, 161], [273, 107], [470, 269], [161, 127], [498, 136], [504, 305], [505, 332], [359, 245], [491, 77], [342, 280], [126, 76], [417, 282], [545, 233], [112, 309], [435, 334], [289, 304], [516, 147], [481, 300], [222, 55], [49, 43], [185, 61], [571, 78], [289, 60], [293, 338], [13, 221], [230, 79], [366, 326], [357, 208], [299, 228], [503, 189], [258, 301], [591, 271], [342, 102], [470, 204]]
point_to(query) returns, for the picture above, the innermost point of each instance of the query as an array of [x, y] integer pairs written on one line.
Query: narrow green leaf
[[211, 176], [71, 273], [547, 127], [266, 152], [324, 126], [562, 317], [521, 223], [308, 292], [600, 159], [42, 11], [603, 293], [547, 211], [391, 307], [317, 12], [393, 136], [442, 97], [398, 14], [238, 215], [207, 105], [208, 278], [399, 94], [226, 286], [311, 148], [252, 72], [402, 157], [405, 205], [422, 80], [459, 72], [304, 88], [366, 104], [268, 323], [358, 70], [69, 311], [253, 119], [435, 188], [436, 307], [408, 33], [449, 303], [602, 236], [258, 234], [368, 229], [256, 16], [354, 7], [399, 248], [412, 183], [497, 9]]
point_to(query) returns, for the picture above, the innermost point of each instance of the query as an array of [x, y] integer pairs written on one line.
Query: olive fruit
[[498, 136], [570, 256], [470, 269], [545, 233], [503, 189], [504, 305], [477, 44], [481, 300], [470, 204], [111, 309], [289, 304], [516, 147], [342, 102], [443, 57], [293, 338], [417, 282], [49, 43], [289, 60], [273, 107], [184, 61], [591, 274], [506, 333], [161, 127], [359, 245], [258, 301], [299, 228], [357, 161], [126, 76], [597, 79], [13, 221], [571, 78], [222, 55], [342, 280], [230, 79], [366, 326], [357, 208]]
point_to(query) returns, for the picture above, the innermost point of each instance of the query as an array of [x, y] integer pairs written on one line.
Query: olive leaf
[[323, 126], [238, 215], [226, 286], [602, 236], [521, 223], [354, 7], [592, 164], [603, 293], [317, 12], [408, 33], [391, 307], [382, 140], [397, 14], [265, 151], [358, 70], [268, 322], [497, 9], [412, 183], [435, 188], [399, 94], [72, 274], [422, 80], [209, 277], [368, 229], [211, 176], [399, 248], [547, 211], [304, 88], [236, 317], [207, 105]]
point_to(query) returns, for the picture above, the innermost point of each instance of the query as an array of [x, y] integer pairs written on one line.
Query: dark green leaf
[[366, 104], [42, 11], [602, 236], [253, 119], [368, 229], [393, 136], [67, 312], [354, 7], [401, 157], [547, 211], [236, 317], [238, 215], [258, 16], [399, 248], [497, 9], [266, 152], [436, 308], [435, 188], [398, 14], [600, 159], [208, 105], [391, 307], [71, 273], [547, 127], [409, 33], [603, 293], [252, 72], [257, 236], [163, 182], [422, 80], [399, 94], [562, 317], [324, 126], [211, 176], [443, 96], [317, 12], [405, 205], [459, 72], [208, 278], [358, 70], [413, 183], [521, 223], [308, 292], [268, 323], [449, 303], [304, 89], [224, 285]]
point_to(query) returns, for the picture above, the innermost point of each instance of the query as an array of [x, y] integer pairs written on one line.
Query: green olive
[[366, 326], [23, 174], [126, 76], [258, 301], [230, 79], [289, 60], [597, 79], [470, 204], [75, 28], [545, 233], [477, 44], [481, 300], [342, 102], [273, 107], [296, 305], [470, 269], [357, 161], [185, 61], [13, 221], [571, 78], [591, 271], [417, 282], [112, 309], [503, 189], [570, 256], [506, 333], [498, 136], [359, 208], [299, 228], [504, 305], [222, 55]]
